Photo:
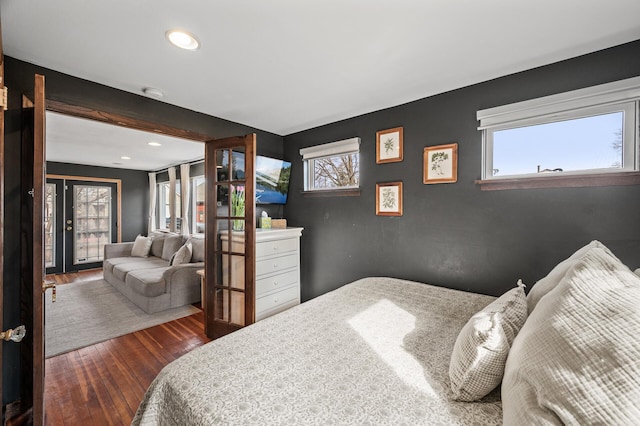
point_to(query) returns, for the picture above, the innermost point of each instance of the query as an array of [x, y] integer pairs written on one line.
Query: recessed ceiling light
[[153, 93], [124, 157], [154, 144], [183, 39]]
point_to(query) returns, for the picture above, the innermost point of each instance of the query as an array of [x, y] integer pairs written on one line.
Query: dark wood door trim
[[38, 260], [123, 121], [1, 201]]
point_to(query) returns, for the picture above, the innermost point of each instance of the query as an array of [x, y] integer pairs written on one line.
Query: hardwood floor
[[104, 383]]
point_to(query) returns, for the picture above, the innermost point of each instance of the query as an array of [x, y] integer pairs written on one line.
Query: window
[[198, 189], [163, 203], [589, 131], [332, 166]]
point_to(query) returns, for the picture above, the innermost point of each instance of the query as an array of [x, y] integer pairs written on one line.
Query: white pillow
[[481, 349], [141, 246], [637, 272], [548, 283], [183, 255], [577, 358]]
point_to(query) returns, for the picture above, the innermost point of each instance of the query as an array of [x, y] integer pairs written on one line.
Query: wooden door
[[1, 200], [230, 234], [32, 261]]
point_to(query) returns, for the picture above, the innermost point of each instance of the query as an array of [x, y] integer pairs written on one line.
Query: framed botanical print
[[389, 145], [440, 164], [389, 199]]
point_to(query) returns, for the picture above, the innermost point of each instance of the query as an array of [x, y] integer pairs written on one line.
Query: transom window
[[587, 131], [332, 166]]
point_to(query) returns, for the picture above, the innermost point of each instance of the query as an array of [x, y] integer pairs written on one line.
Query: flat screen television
[[272, 180]]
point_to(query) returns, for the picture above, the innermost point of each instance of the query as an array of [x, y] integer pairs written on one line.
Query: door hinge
[[4, 95]]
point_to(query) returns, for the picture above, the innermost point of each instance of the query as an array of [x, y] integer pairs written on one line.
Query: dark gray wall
[[455, 235], [19, 77], [134, 197]]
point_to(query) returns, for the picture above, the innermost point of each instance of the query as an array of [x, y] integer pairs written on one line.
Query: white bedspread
[[375, 351]]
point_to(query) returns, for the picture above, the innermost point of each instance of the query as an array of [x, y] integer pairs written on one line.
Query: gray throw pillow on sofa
[[197, 254], [183, 255], [157, 243], [171, 245]]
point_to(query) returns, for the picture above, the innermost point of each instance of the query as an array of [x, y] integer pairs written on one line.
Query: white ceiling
[[285, 65], [80, 141]]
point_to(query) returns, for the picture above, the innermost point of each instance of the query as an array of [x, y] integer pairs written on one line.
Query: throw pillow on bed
[[141, 246], [481, 349], [183, 255], [548, 283], [577, 358]]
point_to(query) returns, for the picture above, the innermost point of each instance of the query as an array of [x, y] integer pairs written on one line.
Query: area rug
[[89, 312]]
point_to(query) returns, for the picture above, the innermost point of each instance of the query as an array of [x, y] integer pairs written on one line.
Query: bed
[[374, 351], [388, 351]]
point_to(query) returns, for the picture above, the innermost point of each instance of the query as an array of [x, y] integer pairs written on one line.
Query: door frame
[[106, 117], [118, 184], [1, 204]]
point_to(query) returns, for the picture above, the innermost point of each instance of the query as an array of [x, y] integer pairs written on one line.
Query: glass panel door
[[90, 223], [230, 234], [50, 203], [54, 226]]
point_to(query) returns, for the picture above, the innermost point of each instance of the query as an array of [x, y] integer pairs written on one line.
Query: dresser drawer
[[276, 282], [269, 248], [285, 299], [276, 264]]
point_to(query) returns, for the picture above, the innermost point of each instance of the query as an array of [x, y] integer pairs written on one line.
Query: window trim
[[620, 95], [332, 149]]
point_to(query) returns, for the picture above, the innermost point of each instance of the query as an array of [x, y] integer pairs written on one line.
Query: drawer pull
[[275, 300], [275, 283], [275, 265]]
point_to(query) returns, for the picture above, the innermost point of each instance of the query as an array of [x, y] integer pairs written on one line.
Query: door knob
[[69, 228], [52, 286], [14, 334]]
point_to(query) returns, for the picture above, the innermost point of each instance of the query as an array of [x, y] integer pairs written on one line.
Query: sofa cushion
[[108, 264], [147, 282], [121, 270], [481, 349], [577, 358], [197, 254], [171, 245], [141, 246]]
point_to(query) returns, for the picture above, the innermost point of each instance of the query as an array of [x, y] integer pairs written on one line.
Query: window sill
[[575, 181], [352, 192]]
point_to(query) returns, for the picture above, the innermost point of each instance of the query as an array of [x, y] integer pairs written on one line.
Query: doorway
[[81, 217]]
